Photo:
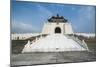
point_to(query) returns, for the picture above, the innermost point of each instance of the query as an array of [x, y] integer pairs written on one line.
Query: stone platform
[[52, 57]]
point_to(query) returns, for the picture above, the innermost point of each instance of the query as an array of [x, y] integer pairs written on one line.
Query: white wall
[[23, 36], [49, 28]]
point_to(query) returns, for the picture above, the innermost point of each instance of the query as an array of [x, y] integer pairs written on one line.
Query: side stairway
[[82, 43]]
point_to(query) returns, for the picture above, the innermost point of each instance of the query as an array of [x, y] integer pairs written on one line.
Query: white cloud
[[20, 27], [86, 12], [44, 10], [73, 8], [85, 20]]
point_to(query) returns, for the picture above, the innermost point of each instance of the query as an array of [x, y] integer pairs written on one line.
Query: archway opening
[[57, 30]]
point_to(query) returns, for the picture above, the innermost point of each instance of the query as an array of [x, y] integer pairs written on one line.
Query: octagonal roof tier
[[57, 19]]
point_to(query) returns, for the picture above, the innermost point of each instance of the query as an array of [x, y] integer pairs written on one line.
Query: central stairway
[[55, 43]]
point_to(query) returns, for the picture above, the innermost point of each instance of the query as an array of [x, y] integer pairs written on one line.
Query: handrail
[[81, 43]]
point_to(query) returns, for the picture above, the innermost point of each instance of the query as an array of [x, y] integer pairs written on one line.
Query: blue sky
[[29, 17]]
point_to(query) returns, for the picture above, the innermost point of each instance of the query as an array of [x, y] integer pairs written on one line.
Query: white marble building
[[57, 30], [54, 25], [57, 25], [57, 36]]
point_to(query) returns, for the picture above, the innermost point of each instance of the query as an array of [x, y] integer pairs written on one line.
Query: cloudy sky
[[29, 17]]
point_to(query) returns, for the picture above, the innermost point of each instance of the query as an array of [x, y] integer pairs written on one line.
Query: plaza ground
[[17, 58]]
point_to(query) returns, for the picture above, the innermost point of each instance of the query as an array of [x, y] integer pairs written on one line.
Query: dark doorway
[[57, 30]]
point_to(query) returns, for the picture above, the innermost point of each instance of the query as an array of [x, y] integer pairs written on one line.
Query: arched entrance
[[57, 30]]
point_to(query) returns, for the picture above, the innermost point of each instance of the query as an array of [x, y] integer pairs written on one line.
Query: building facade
[[57, 24]]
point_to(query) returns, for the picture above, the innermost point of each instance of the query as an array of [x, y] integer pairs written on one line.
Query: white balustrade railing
[[81, 43]]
